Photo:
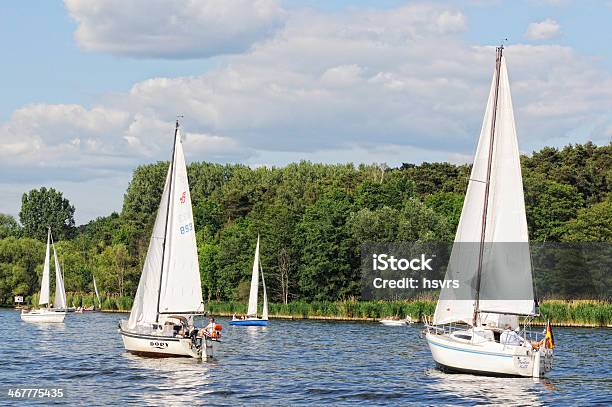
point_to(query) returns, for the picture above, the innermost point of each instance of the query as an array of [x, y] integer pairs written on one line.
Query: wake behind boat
[[169, 294], [251, 318], [49, 314], [475, 328]]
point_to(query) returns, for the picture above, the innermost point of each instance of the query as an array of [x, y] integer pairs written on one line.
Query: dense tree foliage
[[9, 226], [311, 218], [43, 208]]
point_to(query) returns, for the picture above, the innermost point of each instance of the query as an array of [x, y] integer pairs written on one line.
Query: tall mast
[[161, 273], [483, 230]]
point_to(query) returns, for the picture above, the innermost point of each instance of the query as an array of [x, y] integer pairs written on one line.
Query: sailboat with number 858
[[169, 294]]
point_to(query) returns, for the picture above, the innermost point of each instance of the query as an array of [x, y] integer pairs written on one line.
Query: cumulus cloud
[[69, 142], [51, 137], [398, 83], [543, 30], [173, 29]]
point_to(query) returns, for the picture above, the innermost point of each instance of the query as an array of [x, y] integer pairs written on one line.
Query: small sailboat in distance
[[97, 304], [169, 293], [58, 312], [96, 291], [251, 318], [475, 328]]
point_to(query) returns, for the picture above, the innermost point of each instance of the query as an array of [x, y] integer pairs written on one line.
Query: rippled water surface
[[288, 362]]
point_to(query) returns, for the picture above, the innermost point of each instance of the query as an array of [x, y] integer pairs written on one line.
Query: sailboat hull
[[164, 346], [46, 316], [249, 322], [396, 322], [488, 358]]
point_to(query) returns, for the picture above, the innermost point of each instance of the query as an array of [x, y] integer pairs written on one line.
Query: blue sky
[[90, 92]]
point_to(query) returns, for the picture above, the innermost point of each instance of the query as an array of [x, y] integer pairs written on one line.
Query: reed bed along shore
[[588, 313], [108, 302]]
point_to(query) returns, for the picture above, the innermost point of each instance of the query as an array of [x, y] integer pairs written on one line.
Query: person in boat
[[510, 337], [210, 327]]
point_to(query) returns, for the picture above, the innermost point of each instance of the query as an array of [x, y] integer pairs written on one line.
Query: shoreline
[[370, 319], [561, 313]]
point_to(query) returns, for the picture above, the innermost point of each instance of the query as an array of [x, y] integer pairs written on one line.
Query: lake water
[[288, 362]]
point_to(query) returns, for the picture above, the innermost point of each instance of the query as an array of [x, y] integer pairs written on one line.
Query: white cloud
[[342, 75], [44, 138], [448, 22], [216, 146], [396, 85], [70, 142], [543, 30], [173, 29]]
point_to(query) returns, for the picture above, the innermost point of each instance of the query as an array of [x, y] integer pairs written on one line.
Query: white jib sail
[[252, 310], [180, 290], [502, 276], [264, 314], [96, 290], [44, 285], [60, 293]]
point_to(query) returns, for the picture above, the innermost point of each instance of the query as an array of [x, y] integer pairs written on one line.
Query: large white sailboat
[[475, 328], [58, 312], [169, 294], [251, 318]]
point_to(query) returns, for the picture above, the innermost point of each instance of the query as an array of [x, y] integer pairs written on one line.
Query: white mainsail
[[506, 263], [44, 285], [96, 290], [252, 310], [174, 286], [60, 293]]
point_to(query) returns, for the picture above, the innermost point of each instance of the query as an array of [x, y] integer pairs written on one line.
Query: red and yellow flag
[[549, 340]]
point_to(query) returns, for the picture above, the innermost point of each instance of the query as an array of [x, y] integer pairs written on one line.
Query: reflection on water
[[288, 362], [175, 378], [496, 390]]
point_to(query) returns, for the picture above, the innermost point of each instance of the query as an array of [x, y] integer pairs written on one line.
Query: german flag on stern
[[549, 340]]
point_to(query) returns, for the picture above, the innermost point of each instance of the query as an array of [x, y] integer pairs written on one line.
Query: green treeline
[[312, 219]]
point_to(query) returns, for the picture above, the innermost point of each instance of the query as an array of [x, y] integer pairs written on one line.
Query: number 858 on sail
[[186, 228]]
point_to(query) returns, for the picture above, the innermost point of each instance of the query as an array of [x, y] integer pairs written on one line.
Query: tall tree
[[549, 205], [447, 204], [593, 224], [275, 223], [329, 266], [43, 208], [9, 226]]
